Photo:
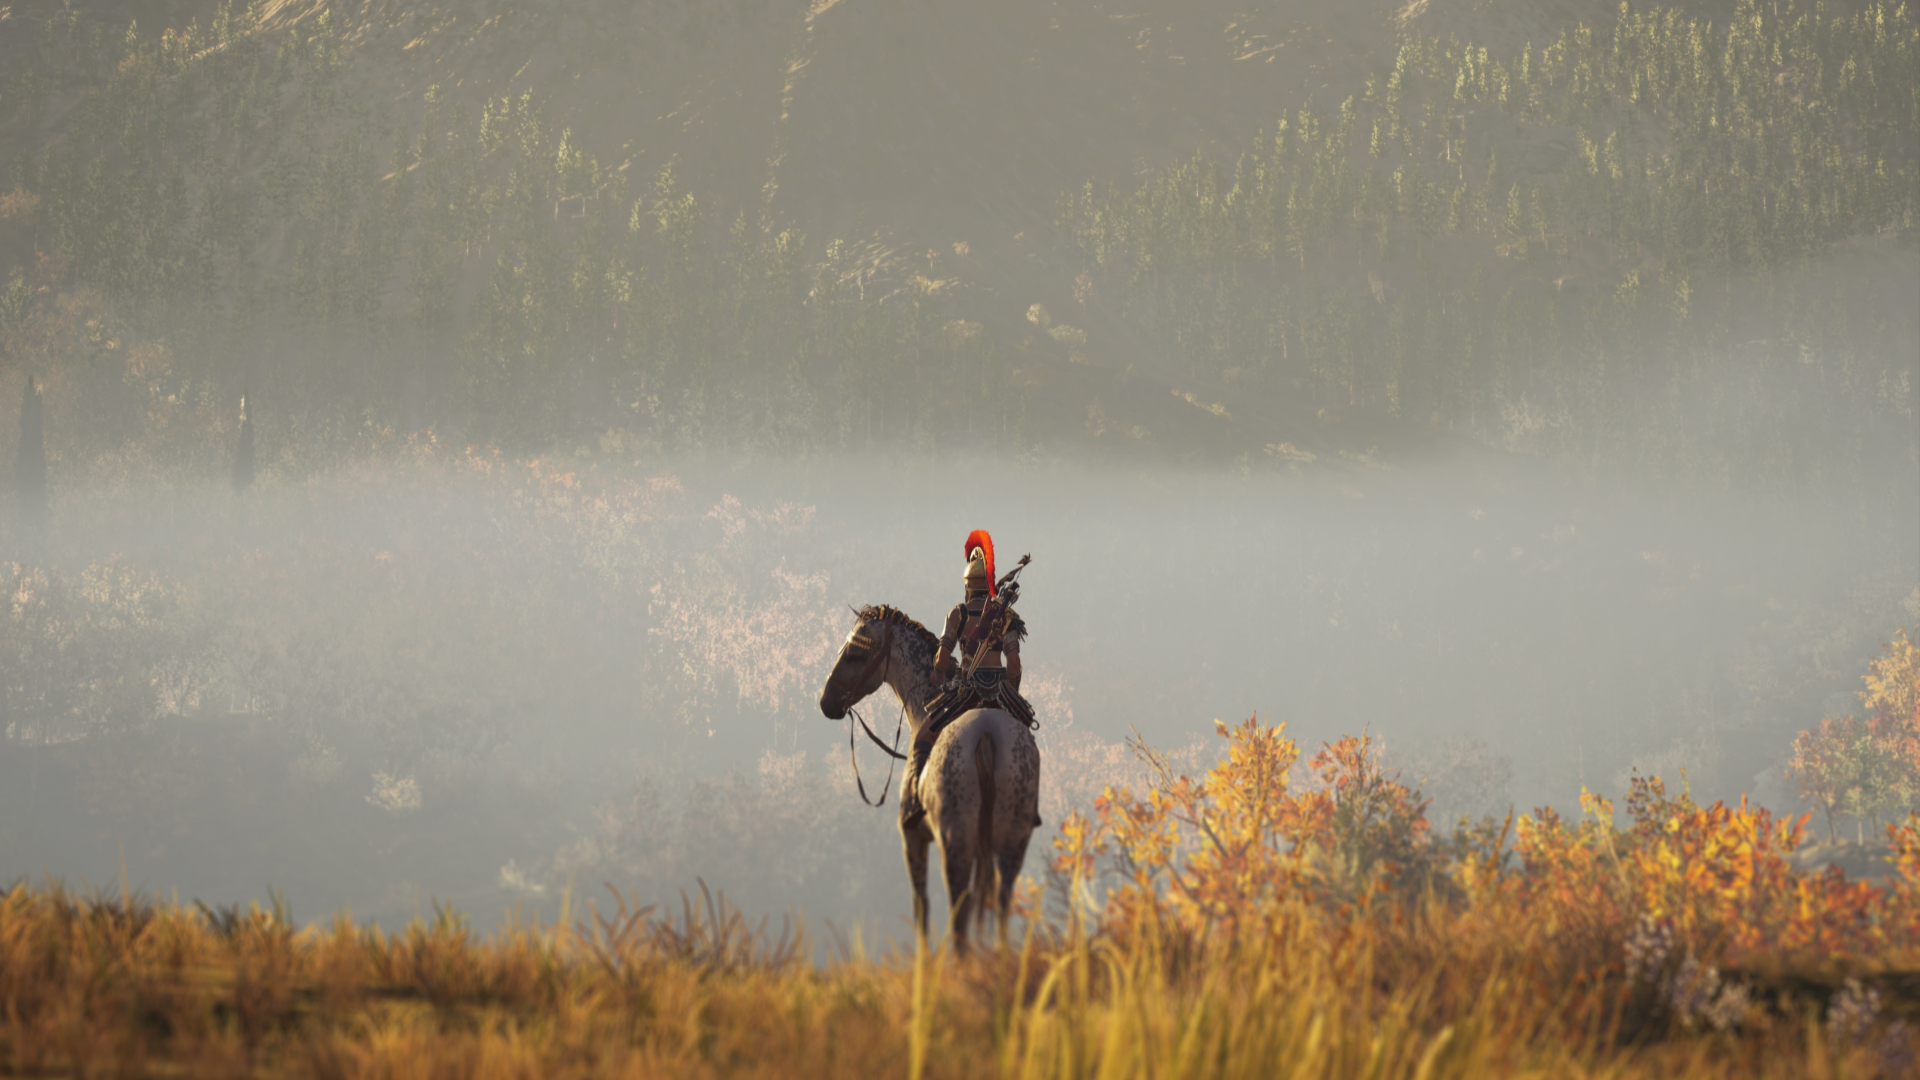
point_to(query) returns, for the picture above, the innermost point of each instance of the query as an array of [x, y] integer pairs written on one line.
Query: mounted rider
[[985, 673]]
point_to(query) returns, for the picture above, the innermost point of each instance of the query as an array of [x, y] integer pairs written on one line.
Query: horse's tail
[[986, 865]]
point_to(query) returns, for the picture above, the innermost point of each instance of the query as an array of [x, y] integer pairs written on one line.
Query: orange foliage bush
[[1219, 850], [1867, 769], [1665, 902]]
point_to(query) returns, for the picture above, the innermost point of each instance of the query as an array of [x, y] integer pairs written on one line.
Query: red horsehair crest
[[981, 539]]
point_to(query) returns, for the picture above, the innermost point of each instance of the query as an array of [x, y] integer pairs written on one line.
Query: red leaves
[[1250, 841]]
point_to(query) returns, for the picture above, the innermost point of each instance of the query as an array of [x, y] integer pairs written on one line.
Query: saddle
[[986, 688]]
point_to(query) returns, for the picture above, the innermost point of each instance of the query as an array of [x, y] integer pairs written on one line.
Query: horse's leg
[[916, 840], [1013, 857], [959, 859]]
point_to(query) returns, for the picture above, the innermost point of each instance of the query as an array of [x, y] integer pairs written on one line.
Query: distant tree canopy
[[1522, 246], [226, 194], [1594, 248]]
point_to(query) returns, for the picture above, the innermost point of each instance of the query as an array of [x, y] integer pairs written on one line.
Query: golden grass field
[[1254, 924], [105, 988]]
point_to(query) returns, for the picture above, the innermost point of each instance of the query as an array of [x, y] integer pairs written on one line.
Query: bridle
[[876, 662]]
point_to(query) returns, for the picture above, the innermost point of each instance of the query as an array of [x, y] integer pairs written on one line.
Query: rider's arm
[[1016, 632], [943, 660]]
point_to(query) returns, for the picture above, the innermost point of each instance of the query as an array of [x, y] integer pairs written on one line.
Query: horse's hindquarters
[[951, 785]]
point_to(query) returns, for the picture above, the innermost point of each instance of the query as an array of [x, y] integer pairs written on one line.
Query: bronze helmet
[[977, 577]]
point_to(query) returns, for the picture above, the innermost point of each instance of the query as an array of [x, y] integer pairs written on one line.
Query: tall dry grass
[[1588, 951], [112, 986], [120, 985]]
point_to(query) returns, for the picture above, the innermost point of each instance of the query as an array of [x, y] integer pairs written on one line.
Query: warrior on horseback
[[974, 783], [985, 675]]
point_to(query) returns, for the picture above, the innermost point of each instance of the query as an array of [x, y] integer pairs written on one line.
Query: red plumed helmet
[[979, 540]]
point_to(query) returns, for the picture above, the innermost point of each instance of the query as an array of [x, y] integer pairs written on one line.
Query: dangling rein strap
[[891, 752]]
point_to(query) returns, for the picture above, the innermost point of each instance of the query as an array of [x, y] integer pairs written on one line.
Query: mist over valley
[[1467, 453]]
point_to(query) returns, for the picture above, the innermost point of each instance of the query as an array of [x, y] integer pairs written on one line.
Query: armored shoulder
[[955, 620]]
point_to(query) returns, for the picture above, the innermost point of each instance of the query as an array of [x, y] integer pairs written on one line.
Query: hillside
[[433, 215]]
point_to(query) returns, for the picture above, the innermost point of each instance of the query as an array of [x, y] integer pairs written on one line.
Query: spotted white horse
[[980, 787]]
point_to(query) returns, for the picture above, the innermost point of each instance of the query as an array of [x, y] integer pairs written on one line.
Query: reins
[[881, 656], [893, 754]]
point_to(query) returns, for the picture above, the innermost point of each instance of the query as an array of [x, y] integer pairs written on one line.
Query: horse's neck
[[911, 677]]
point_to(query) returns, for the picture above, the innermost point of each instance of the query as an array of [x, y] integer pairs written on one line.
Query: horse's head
[[885, 647], [859, 669]]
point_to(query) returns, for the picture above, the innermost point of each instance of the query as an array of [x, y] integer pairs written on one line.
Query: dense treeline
[[1602, 248], [1598, 247], [227, 194]]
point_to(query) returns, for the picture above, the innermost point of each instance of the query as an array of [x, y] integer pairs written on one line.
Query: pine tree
[[30, 468], [243, 453]]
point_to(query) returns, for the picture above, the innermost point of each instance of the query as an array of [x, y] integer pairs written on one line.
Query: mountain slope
[[367, 194]]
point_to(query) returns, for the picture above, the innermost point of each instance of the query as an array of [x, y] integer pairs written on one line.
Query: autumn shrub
[[1219, 849], [1867, 769], [1684, 917]]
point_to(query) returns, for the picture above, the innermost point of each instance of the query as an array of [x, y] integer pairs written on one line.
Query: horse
[[980, 787]]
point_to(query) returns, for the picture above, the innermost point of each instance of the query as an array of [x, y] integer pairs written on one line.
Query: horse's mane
[[891, 614]]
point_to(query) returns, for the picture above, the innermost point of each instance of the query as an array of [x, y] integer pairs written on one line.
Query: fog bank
[[457, 677]]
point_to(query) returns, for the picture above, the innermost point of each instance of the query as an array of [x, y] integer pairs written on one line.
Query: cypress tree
[[30, 467], [243, 453]]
